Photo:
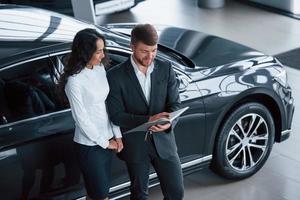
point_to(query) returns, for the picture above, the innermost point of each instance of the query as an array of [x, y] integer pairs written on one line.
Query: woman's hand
[[120, 144], [113, 145]]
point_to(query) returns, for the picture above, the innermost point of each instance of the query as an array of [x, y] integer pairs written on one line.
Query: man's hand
[[159, 128], [158, 116], [120, 144]]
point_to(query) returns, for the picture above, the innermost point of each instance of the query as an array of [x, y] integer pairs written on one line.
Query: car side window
[[114, 57], [60, 60], [27, 90]]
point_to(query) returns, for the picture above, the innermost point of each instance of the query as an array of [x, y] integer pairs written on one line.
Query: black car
[[240, 104], [101, 7]]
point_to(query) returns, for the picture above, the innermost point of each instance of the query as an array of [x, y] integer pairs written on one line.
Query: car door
[[191, 127], [36, 149]]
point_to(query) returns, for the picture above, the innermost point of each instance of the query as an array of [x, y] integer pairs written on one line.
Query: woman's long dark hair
[[83, 47]]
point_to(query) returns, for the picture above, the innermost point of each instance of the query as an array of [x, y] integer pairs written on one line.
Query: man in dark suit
[[143, 90]]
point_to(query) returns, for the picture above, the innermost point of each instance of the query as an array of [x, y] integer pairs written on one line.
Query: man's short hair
[[144, 33]]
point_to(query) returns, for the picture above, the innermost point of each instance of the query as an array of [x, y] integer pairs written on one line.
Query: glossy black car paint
[[216, 76], [64, 7]]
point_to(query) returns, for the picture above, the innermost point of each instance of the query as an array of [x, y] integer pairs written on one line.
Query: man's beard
[[143, 62]]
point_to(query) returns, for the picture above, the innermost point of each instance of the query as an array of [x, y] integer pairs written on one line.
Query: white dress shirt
[[144, 80], [87, 92]]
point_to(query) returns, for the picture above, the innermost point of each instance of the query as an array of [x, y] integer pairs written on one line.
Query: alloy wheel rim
[[247, 142]]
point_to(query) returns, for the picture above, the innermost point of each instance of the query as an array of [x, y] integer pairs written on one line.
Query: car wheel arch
[[265, 97]]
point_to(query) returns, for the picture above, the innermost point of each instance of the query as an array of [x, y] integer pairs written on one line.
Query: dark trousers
[[169, 174], [95, 165]]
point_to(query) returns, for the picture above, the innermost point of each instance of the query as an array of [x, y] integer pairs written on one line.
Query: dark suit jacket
[[128, 108]]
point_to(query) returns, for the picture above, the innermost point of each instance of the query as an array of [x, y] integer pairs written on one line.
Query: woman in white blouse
[[85, 84]]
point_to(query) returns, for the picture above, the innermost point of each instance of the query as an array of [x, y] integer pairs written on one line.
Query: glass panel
[[28, 90]]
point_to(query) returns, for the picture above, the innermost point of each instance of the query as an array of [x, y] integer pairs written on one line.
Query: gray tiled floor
[[268, 32]]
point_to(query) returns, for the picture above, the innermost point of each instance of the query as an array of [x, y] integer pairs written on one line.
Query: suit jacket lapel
[[135, 81]]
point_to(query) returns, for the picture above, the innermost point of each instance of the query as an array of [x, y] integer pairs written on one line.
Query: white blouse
[[87, 92]]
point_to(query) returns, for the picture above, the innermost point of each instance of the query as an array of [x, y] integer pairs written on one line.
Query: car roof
[[24, 30]]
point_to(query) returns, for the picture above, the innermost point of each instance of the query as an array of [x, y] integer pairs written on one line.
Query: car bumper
[[285, 135]]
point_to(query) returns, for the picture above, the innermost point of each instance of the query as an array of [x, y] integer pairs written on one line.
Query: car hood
[[203, 49]]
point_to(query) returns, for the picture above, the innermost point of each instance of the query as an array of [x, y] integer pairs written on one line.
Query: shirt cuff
[[116, 131], [117, 134], [103, 143]]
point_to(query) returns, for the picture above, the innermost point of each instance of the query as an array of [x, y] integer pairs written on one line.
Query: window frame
[[50, 114]]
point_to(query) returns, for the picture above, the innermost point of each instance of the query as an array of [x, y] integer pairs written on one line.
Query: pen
[[147, 133]]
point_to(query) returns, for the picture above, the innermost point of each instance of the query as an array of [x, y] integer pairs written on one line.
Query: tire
[[244, 142]]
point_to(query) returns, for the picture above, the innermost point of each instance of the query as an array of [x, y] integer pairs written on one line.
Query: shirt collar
[[136, 69]]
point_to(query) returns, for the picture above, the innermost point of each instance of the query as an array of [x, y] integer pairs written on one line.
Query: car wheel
[[245, 142]]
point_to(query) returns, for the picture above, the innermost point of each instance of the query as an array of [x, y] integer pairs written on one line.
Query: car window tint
[[27, 90], [58, 68], [117, 58]]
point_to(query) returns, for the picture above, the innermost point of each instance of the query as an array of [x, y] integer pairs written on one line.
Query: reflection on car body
[[240, 104], [100, 6]]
